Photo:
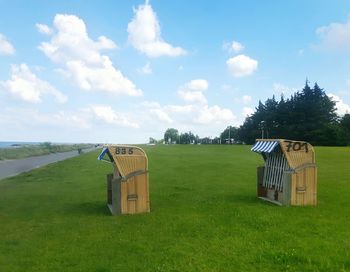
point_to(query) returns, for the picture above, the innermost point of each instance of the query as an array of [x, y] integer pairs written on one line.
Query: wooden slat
[[134, 192]]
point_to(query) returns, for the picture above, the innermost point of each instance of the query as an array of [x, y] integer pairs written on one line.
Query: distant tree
[[152, 140], [216, 140], [48, 146], [206, 140], [171, 135], [187, 138], [229, 135]]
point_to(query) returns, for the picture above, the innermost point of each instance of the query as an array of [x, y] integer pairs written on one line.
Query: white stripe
[[273, 145], [256, 146], [264, 146]]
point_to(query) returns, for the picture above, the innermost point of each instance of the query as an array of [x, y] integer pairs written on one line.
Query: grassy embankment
[[37, 150], [205, 217]]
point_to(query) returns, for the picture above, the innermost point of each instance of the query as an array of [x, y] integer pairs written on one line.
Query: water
[[13, 144]]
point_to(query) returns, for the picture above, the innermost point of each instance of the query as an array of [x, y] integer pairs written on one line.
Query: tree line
[[308, 115]]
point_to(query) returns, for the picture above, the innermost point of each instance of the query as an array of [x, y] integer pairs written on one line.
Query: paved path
[[14, 167]]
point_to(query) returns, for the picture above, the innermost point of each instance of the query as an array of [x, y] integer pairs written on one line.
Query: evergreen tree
[[308, 115]]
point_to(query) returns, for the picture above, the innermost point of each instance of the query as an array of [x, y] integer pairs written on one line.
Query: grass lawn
[[204, 217], [37, 150]]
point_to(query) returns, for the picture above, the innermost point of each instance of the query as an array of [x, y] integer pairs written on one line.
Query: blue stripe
[[264, 146], [103, 153], [256, 147]]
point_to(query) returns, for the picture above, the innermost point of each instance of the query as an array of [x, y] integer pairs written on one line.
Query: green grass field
[[26, 151], [204, 217]]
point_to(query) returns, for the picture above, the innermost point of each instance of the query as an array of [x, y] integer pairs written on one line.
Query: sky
[[124, 71]]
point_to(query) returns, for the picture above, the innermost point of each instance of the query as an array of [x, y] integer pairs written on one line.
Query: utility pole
[[262, 125], [229, 134]]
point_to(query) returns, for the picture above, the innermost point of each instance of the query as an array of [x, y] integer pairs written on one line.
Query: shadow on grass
[[88, 208]]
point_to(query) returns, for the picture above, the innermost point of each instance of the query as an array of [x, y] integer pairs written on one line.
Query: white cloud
[[78, 125], [207, 115], [237, 47], [6, 48], [157, 111], [247, 111], [69, 119], [161, 115], [233, 47], [283, 89], [194, 96], [197, 85], [193, 91], [108, 115], [335, 36], [37, 123], [246, 99], [199, 114], [241, 65], [44, 29], [26, 86], [348, 82], [145, 34], [342, 108], [146, 70], [182, 109], [82, 60]]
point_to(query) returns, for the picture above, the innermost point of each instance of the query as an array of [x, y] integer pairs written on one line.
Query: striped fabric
[[275, 167], [103, 153], [264, 146]]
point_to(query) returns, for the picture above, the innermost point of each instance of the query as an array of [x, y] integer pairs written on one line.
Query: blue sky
[[124, 71]]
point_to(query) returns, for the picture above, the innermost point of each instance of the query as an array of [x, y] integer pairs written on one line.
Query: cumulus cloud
[[6, 48], [233, 47], [108, 115], [241, 65], [25, 85], [199, 114], [24, 118], [44, 29], [207, 115], [342, 108], [193, 91], [146, 70], [197, 85], [196, 111], [82, 60], [192, 96], [283, 89], [335, 36], [246, 99], [247, 111], [145, 34], [157, 111]]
